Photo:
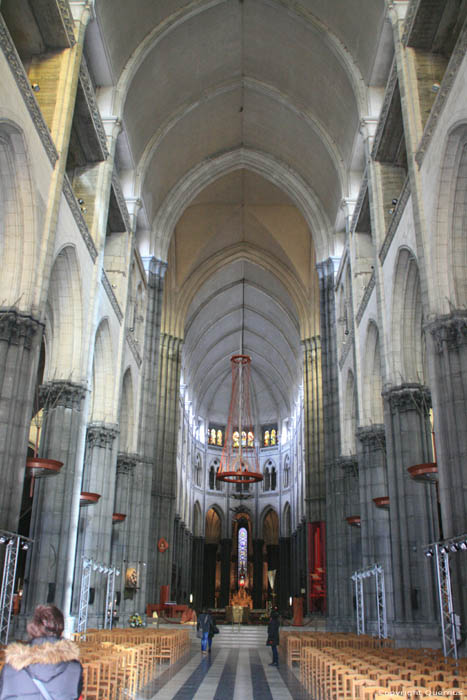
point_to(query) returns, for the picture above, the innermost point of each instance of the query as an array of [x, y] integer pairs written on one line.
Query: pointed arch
[[350, 416], [18, 236], [258, 162], [197, 520], [103, 375], [371, 379], [214, 524], [450, 245], [407, 321], [127, 418], [269, 526], [64, 318]]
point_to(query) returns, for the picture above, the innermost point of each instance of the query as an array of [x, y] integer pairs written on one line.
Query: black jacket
[[50, 660], [273, 630]]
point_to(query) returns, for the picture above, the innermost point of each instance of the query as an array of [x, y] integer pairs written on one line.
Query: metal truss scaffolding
[[110, 599], [357, 577], [440, 552], [13, 542], [89, 565]]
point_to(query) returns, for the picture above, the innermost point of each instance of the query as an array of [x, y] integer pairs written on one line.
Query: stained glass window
[[242, 552], [251, 439], [216, 435], [236, 439], [269, 433]]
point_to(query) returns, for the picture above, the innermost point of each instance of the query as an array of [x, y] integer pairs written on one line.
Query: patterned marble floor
[[225, 674]]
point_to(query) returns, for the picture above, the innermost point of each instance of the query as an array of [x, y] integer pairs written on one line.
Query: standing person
[[47, 667], [273, 637], [204, 625]]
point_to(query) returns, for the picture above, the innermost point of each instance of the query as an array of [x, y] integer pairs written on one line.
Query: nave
[[225, 674]]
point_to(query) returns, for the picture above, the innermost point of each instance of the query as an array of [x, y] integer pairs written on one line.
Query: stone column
[[100, 473], [175, 573], [209, 574], [55, 514], [333, 472], [164, 478], [121, 532], [315, 490], [197, 572], [20, 337], [143, 539], [448, 364], [283, 582], [375, 524], [413, 512], [344, 546], [186, 568], [258, 573], [226, 551], [138, 535]]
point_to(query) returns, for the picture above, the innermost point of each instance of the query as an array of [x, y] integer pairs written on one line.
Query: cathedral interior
[[188, 181]]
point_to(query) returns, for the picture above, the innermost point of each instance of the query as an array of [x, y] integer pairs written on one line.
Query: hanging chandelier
[[240, 461]]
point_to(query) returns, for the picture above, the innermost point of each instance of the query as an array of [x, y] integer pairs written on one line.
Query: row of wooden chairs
[[291, 643], [118, 663], [349, 674]]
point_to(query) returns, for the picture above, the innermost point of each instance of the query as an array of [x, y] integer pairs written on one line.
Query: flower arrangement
[[135, 620]]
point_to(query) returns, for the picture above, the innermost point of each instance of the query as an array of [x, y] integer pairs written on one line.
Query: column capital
[[17, 328], [126, 463], [348, 463], [101, 434], [61, 393], [372, 436], [449, 331], [155, 268], [408, 397]]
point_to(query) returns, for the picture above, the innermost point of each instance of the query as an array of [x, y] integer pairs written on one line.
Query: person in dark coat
[[273, 637], [204, 626], [48, 659]]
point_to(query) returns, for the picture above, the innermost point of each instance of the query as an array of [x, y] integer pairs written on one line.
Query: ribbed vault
[[241, 140]]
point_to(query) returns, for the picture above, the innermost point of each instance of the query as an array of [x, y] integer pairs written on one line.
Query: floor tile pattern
[[225, 674]]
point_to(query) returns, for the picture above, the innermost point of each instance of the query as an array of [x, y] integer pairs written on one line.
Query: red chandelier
[[239, 461]]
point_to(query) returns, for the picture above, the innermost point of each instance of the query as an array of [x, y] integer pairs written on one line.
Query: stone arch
[[103, 375], [213, 483], [264, 164], [214, 523], [407, 321], [270, 475], [269, 531], [18, 240], [450, 247], [350, 415], [371, 379], [286, 525], [64, 318], [198, 529], [286, 479], [127, 417]]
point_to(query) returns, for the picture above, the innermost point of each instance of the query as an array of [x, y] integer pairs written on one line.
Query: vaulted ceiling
[[241, 136]]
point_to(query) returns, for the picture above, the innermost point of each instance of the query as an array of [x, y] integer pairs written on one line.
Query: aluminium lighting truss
[[89, 565], [440, 552], [357, 577], [13, 542]]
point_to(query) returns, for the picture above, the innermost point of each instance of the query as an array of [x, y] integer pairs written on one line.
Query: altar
[[241, 599], [238, 611]]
